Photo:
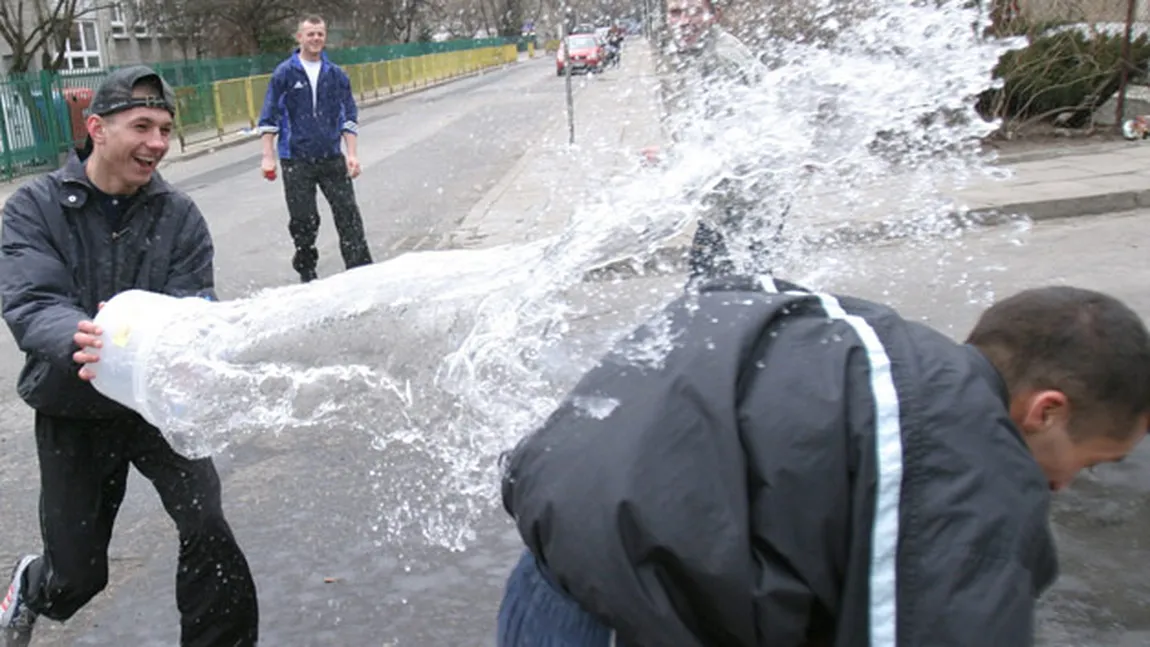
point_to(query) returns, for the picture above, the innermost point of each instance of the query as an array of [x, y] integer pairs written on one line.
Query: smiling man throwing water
[[70, 240]]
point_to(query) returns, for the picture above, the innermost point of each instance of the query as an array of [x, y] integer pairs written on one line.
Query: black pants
[[710, 255], [301, 177], [83, 476]]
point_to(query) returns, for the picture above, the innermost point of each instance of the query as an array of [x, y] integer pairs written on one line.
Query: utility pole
[[1120, 111], [567, 73]]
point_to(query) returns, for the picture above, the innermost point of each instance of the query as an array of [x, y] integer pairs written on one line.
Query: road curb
[[367, 103], [1089, 205], [673, 258]]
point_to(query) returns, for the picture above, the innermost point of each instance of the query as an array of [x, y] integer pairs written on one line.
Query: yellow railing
[[238, 101]]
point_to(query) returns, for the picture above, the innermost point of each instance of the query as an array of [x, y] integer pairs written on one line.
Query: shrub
[[1064, 74]]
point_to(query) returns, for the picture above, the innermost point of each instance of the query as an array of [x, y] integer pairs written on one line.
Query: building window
[[82, 50], [117, 22], [121, 19]]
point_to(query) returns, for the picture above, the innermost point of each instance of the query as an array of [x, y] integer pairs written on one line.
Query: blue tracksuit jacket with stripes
[[308, 130]]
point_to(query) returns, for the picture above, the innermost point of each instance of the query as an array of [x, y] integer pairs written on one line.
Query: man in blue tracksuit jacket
[[309, 104]]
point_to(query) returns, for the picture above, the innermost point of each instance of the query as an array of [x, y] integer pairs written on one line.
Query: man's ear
[[96, 128], [1037, 411]]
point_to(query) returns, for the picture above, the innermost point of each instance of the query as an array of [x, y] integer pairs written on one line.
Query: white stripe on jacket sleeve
[[888, 451], [883, 613]]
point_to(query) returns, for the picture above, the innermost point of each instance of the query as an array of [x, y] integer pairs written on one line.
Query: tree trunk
[[19, 64]]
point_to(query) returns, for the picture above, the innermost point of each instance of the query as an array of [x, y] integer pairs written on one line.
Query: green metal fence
[[40, 116], [201, 72], [34, 123]]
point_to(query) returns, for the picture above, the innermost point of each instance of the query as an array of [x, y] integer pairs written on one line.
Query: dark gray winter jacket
[[798, 469], [60, 257]]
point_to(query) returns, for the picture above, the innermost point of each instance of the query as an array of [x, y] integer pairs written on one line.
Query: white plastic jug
[[134, 324]]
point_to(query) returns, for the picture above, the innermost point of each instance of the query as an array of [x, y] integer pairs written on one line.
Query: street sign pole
[[567, 73]]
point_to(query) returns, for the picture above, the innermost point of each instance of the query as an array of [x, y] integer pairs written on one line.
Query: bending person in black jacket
[[71, 239], [804, 469]]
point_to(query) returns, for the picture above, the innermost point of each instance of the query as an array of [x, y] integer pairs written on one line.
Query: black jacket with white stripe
[[797, 469]]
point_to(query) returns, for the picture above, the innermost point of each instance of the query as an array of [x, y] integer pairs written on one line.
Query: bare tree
[[464, 18], [253, 26], [585, 12], [511, 18], [379, 21], [40, 27], [488, 13], [187, 22], [410, 18], [375, 22], [255, 22], [369, 21]]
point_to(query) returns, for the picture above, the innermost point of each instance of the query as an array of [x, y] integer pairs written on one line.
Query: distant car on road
[[584, 53]]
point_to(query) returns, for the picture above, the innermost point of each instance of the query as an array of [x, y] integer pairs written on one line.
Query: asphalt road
[[427, 158], [312, 503]]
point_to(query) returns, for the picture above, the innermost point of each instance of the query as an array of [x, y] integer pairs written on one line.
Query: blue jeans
[[536, 613]]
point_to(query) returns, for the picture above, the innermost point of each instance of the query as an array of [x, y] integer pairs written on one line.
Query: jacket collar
[[297, 62], [77, 187], [989, 373]]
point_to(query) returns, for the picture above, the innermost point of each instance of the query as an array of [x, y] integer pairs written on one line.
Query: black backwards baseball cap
[[117, 92]]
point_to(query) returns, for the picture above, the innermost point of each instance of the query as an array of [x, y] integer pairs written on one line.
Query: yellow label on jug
[[121, 337]]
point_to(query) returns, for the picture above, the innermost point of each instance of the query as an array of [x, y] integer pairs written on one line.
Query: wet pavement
[[310, 504], [304, 502]]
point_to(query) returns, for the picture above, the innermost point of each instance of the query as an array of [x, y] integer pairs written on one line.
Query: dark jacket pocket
[[59, 392]]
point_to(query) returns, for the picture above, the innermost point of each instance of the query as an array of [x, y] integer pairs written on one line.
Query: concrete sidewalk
[[616, 116]]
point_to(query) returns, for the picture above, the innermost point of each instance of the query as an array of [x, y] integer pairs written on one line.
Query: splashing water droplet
[[596, 407], [445, 359]]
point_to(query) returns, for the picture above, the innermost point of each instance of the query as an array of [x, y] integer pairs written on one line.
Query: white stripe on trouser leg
[[613, 637], [888, 452]]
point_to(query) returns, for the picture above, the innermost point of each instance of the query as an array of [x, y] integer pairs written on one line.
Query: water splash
[[881, 98]]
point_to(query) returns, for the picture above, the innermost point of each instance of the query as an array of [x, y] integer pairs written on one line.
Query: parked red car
[[585, 53]]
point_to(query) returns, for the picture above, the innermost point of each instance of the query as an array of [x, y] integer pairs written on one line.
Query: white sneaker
[[16, 619]]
